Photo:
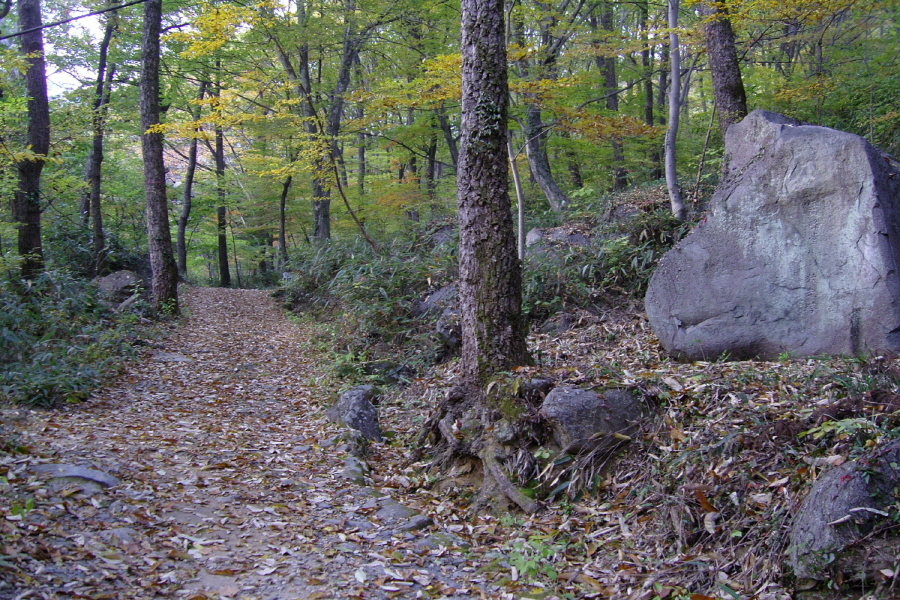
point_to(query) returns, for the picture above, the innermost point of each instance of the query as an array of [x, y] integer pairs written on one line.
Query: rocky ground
[[208, 470]]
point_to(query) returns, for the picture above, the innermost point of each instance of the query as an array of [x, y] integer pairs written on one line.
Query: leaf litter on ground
[[233, 483]]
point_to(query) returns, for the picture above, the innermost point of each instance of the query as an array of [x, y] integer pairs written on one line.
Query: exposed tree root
[[460, 429], [493, 471]]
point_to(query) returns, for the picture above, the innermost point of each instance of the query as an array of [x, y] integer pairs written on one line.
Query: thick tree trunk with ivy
[[490, 274], [27, 199], [162, 259]]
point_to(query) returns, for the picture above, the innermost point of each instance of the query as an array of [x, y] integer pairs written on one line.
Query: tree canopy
[[342, 118]]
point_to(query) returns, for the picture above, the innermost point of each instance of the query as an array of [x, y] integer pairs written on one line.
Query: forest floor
[[231, 484]]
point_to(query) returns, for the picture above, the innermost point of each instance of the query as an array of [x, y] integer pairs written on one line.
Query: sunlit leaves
[[213, 27]]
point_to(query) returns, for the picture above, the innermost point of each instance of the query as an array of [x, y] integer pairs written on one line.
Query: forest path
[[230, 486]]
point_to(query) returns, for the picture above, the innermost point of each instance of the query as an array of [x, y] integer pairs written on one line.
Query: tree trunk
[[431, 166], [520, 199], [490, 286], [646, 63], [321, 199], [188, 191], [27, 199], [675, 198], [452, 147], [282, 221], [94, 170], [728, 86], [221, 211], [538, 161], [490, 274], [360, 155], [222, 229], [162, 260]]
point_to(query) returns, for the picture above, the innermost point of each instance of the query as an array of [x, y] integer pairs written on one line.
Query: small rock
[[388, 371], [393, 512], [416, 523], [558, 324], [71, 471], [445, 297], [440, 539], [355, 470], [582, 421], [160, 356], [120, 537], [355, 409]]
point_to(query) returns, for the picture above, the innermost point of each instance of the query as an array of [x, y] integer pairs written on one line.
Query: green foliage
[[843, 428], [371, 296], [535, 558], [630, 259], [68, 246], [57, 341], [622, 261]]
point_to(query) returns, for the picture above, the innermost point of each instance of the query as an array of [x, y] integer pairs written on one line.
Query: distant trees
[[363, 96]]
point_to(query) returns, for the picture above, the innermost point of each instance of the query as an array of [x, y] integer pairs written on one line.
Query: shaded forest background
[[316, 143]]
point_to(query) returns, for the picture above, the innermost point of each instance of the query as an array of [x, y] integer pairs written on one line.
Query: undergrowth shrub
[[68, 246], [620, 261], [57, 340], [371, 296]]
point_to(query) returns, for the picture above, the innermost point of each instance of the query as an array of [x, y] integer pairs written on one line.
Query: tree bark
[[451, 140], [188, 191], [162, 260], [493, 331], [538, 160], [282, 220], [646, 62], [728, 86], [431, 166], [222, 230], [221, 211], [95, 161], [321, 198], [675, 198], [27, 199]]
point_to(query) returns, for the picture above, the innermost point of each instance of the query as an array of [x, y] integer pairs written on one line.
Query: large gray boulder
[[797, 255], [836, 528], [120, 286], [583, 421]]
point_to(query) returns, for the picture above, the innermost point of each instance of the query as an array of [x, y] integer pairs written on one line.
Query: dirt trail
[[229, 487]]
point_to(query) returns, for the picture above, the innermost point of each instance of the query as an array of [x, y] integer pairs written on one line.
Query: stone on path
[[355, 410]]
